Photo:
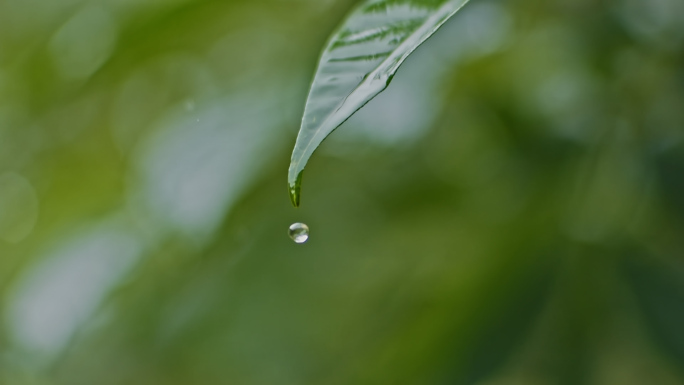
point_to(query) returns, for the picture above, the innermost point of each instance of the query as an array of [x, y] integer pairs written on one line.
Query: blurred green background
[[509, 211]]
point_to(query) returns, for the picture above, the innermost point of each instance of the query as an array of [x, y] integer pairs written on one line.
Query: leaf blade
[[358, 63]]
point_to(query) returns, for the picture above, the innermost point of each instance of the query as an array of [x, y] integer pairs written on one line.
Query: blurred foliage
[[509, 211]]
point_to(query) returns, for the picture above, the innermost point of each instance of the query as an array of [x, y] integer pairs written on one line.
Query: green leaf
[[358, 63]]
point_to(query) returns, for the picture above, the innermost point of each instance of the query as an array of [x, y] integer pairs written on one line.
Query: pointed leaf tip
[[295, 187]]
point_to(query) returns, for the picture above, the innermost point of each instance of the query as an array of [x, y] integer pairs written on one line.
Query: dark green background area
[[509, 211]]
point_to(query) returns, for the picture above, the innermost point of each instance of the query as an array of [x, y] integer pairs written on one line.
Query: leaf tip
[[295, 188]]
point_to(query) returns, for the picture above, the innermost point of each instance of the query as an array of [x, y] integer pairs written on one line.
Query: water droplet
[[299, 232]]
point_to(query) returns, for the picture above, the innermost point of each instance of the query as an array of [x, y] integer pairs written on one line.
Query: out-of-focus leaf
[[670, 167], [504, 328], [358, 63], [660, 294]]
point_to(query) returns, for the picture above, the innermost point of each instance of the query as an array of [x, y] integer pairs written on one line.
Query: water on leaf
[[299, 232]]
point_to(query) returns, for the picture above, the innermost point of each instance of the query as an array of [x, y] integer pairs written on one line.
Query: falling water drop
[[299, 232]]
